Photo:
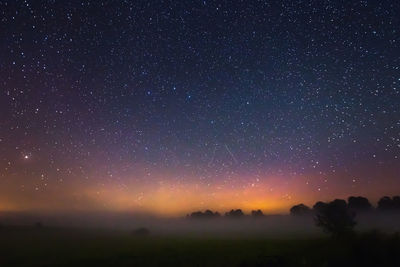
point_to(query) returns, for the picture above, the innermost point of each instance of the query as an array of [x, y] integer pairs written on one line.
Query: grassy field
[[30, 246]]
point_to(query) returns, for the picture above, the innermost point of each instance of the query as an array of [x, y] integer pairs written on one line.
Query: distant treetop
[[206, 214], [359, 204], [389, 204], [300, 210], [235, 213], [257, 213]]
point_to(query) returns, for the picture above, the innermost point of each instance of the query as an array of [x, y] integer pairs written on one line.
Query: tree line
[[336, 217], [234, 213], [355, 204]]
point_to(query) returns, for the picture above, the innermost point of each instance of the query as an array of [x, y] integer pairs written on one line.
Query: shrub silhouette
[[359, 204], [300, 210], [257, 213], [234, 213], [202, 215], [210, 214], [335, 217], [196, 214]]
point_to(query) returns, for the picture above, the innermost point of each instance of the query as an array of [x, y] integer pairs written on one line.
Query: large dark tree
[[335, 218], [300, 210], [359, 204]]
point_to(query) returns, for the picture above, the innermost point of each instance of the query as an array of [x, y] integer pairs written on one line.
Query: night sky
[[171, 106]]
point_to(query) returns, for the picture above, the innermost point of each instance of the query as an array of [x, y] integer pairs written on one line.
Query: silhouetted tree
[[389, 204], [210, 214], [206, 214], [257, 213], [234, 213], [359, 204], [335, 217], [385, 204], [300, 210], [319, 206], [196, 214]]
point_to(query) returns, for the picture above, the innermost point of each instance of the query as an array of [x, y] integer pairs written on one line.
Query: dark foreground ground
[[35, 246]]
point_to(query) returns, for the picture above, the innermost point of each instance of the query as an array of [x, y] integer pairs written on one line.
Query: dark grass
[[30, 246]]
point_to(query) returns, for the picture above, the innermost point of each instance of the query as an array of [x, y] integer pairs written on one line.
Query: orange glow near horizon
[[164, 197]]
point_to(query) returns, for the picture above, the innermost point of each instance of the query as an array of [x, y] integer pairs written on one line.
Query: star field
[[168, 106]]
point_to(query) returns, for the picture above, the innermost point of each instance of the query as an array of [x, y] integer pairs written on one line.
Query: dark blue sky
[[205, 90]]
